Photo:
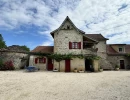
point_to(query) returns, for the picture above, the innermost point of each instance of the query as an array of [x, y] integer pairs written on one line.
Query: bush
[[8, 65], [116, 66], [100, 67], [1, 63]]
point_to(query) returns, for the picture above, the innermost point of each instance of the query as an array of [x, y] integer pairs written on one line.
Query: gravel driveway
[[44, 85]]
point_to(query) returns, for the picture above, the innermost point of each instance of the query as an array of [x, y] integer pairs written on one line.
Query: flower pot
[[75, 71], [116, 69], [101, 70], [81, 71]]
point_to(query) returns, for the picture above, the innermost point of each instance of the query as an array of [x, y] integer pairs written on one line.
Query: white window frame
[[75, 45], [122, 50]]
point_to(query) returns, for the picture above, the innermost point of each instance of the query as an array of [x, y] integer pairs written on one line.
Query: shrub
[[116, 66], [8, 65], [101, 67], [1, 63]]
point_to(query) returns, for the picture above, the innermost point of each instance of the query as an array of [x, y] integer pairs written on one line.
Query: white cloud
[[99, 16], [46, 43], [49, 39]]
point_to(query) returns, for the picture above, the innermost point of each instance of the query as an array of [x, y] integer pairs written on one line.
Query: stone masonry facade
[[90, 44]]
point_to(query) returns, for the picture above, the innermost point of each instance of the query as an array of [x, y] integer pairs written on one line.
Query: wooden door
[[122, 65], [50, 64], [67, 65]]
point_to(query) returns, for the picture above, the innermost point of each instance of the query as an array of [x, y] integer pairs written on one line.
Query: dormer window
[[121, 50], [68, 27]]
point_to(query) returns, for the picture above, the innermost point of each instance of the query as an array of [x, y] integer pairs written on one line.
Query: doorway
[[67, 65], [88, 65], [50, 65], [122, 64]]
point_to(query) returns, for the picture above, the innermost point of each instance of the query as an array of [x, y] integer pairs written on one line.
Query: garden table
[[31, 68]]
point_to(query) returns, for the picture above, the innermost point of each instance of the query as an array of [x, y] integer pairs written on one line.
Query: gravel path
[[107, 85]]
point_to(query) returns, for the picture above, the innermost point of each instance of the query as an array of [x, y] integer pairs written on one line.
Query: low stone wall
[[15, 57]]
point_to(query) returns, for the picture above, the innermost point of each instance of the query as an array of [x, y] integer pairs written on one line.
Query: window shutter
[[79, 45], [70, 45], [44, 60], [36, 60]]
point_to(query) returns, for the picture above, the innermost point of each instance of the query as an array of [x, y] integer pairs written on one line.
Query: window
[[42, 60], [120, 49], [74, 45], [68, 27]]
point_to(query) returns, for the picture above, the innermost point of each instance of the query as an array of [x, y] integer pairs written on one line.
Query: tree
[[2, 42], [24, 47]]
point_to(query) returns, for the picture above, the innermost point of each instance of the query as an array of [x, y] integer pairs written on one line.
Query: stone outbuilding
[[15, 54]]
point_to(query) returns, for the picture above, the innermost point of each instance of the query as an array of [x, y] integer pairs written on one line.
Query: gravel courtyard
[[107, 85]]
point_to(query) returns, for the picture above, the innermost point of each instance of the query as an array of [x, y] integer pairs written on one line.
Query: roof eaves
[[90, 38], [67, 18]]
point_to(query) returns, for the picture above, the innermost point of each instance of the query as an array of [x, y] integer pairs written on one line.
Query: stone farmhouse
[[68, 39]]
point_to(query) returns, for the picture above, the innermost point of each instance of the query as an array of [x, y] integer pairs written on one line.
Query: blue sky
[[29, 22]]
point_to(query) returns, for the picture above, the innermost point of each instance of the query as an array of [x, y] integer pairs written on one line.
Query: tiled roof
[[67, 18], [110, 50], [97, 37], [127, 48], [43, 49]]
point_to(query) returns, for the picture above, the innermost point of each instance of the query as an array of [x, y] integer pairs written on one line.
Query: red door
[[67, 65], [122, 65], [50, 65]]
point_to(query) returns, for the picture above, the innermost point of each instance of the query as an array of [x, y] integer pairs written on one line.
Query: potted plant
[[101, 69], [117, 67], [55, 70], [81, 71], [75, 70]]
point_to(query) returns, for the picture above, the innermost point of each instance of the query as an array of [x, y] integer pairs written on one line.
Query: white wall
[[42, 66]]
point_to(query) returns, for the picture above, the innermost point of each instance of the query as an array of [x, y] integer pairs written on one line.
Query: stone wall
[[115, 60], [101, 49], [102, 52], [63, 37], [15, 57]]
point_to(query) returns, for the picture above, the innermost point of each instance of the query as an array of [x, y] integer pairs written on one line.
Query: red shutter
[[44, 60], [79, 45], [36, 59], [70, 45]]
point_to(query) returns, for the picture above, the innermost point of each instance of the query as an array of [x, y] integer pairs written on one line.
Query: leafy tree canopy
[[24, 47], [2, 42]]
